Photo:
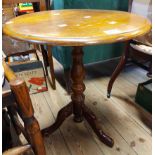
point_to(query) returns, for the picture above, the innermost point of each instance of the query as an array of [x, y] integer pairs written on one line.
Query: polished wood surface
[[77, 27]]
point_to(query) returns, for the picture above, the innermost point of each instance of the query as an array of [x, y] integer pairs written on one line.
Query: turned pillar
[[78, 87]]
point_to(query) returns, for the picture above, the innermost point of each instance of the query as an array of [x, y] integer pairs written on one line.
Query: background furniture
[[93, 53], [144, 95], [104, 52], [23, 106], [135, 48], [10, 49], [142, 46]]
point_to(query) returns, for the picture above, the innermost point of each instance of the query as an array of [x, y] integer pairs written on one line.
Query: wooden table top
[[76, 27]]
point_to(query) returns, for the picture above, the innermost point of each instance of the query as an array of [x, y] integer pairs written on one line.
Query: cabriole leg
[[118, 69]]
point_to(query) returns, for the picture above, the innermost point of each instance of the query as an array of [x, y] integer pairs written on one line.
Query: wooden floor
[[121, 118]]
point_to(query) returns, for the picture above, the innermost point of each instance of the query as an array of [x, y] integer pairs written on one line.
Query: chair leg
[[149, 74], [31, 125], [48, 60], [44, 54], [118, 69], [37, 55]]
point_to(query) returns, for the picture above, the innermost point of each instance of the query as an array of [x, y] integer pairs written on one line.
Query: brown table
[[77, 28]]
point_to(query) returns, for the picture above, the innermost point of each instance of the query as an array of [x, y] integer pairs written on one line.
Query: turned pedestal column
[[77, 106]]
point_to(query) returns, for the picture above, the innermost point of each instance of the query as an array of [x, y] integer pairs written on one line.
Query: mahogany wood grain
[[77, 27]]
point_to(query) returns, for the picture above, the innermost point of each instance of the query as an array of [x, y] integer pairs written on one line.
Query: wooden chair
[[130, 49], [10, 50], [31, 129]]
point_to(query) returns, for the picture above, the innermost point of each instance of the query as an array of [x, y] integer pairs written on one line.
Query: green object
[[91, 53], [144, 95], [26, 4]]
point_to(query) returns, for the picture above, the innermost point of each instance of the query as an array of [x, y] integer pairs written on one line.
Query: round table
[[77, 28]]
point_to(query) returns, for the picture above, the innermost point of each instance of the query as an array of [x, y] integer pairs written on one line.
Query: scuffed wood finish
[[77, 27]]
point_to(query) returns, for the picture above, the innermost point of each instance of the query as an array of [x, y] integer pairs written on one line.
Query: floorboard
[[120, 116]]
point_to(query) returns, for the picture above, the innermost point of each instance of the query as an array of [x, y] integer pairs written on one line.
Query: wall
[[142, 7]]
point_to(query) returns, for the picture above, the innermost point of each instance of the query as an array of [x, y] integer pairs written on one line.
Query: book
[[25, 7]]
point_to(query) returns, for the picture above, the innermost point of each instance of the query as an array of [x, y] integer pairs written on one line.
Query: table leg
[[78, 87], [92, 120], [118, 69], [77, 106], [62, 115]]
